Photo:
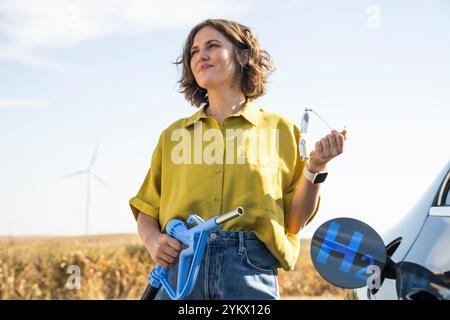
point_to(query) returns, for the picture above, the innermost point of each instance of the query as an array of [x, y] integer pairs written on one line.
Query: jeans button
[[213, 236]]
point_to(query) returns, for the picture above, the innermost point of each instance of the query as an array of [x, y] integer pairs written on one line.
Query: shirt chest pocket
[[266, 176]]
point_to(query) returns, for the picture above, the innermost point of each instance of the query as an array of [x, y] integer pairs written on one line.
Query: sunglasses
[[304, 129]]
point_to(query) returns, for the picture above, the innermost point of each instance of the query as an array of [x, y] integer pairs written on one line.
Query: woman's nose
[[203, 55]]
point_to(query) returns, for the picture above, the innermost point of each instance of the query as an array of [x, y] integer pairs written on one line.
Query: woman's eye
[[209, 46]]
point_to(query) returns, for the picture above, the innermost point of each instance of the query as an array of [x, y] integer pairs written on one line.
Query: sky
[[74, 73]]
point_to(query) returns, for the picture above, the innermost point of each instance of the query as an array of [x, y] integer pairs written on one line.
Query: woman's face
[[212, 59]]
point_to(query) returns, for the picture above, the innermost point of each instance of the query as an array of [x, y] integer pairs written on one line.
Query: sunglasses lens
[[302, 146], [305, 122]]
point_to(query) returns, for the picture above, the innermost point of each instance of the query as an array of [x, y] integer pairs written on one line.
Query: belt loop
[[241, 243]]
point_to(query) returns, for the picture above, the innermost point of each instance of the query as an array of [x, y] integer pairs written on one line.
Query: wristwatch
[[315, 178]]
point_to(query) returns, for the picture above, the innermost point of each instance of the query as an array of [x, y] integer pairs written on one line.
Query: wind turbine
[[89, 175]]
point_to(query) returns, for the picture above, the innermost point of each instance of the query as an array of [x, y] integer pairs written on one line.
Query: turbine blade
[[94, 155], [103, 183], [71, 175]]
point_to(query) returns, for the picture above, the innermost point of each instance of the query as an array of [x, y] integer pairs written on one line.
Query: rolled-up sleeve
[[148, 198]]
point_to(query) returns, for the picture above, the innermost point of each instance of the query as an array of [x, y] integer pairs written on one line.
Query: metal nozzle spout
[[230, 215]]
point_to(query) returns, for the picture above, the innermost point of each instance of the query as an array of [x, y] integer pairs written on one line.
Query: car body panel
[[425, 233], [412, 223]]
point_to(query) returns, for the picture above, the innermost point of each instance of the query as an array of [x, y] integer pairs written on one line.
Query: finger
[[165, 264], [339, 142], [318, 148], [167, 259], [171, 252], [326, 147], [175, 244], [344, 133], [340, 138], [333, 145]]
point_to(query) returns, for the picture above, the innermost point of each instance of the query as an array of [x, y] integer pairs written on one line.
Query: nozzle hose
[[230, 215]]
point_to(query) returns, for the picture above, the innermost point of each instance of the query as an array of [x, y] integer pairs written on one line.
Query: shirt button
[[216, 198], [218, 170], [213, 236]]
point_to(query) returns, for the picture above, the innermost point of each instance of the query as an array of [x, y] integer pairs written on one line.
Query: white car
[[418, 249]]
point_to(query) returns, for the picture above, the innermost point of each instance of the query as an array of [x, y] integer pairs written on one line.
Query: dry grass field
[[112, 267]]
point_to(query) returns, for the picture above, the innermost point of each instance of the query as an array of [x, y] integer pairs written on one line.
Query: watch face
[[321, 177]]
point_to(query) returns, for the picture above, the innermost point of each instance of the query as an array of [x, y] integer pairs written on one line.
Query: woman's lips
[[205, 66]]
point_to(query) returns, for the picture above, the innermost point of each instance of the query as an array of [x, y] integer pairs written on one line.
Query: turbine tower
[[89, 175]]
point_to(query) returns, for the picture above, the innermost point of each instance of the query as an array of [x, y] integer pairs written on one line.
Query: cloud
[[27, 26], [23, 103]]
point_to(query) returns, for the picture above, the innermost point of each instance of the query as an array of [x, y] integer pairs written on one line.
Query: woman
[[228, 154]]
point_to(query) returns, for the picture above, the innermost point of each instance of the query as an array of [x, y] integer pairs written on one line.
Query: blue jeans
[[236, 265]]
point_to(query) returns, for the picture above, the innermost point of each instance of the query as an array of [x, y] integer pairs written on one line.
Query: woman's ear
[[245, 56]]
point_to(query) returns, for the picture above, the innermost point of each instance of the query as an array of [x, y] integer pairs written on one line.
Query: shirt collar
[[248, 112]]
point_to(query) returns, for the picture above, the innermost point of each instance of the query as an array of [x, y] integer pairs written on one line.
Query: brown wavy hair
[[252, 76]]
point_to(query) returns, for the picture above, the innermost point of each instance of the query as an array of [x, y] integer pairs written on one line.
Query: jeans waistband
[[236, 238]]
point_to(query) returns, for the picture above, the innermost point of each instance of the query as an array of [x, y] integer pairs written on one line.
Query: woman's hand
[[326, 149], [165, 250]]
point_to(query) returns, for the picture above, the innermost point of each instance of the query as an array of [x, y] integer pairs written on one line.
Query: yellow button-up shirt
[[249, 160]]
